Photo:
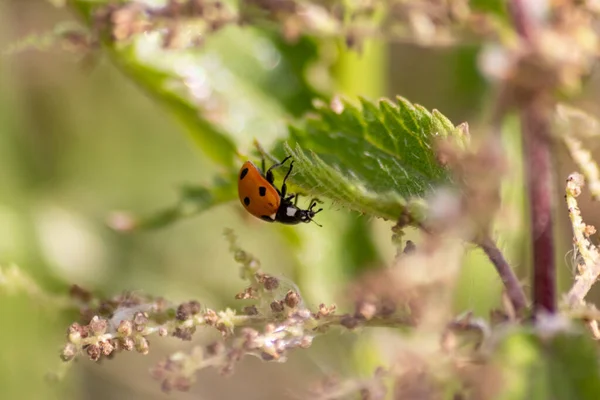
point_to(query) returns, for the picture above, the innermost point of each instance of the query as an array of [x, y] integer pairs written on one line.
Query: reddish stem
[[538, 164], [535, 127]]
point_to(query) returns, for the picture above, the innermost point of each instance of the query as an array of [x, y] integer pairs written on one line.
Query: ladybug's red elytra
[[261, 198]]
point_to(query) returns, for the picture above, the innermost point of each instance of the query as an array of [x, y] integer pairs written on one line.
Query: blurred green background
[[79, 143]]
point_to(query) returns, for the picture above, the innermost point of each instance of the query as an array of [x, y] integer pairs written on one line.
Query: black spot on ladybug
[[247, 201], [262, 191], [243, 173]]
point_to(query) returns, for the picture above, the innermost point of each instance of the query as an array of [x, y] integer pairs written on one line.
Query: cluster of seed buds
[[291, 301], [96, 341], [178, 371], [123, 322], [185, 22]]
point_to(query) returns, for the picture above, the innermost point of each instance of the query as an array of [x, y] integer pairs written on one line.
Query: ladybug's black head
[[308, 215], [289, 214]]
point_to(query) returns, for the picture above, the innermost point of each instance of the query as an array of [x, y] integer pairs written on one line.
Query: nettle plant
[[389, 159]]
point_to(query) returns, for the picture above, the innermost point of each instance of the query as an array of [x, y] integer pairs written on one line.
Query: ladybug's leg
[[269, 175], [313, 203], [283, 185]]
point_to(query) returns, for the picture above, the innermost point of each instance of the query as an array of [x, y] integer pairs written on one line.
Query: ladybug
[[261, 198]]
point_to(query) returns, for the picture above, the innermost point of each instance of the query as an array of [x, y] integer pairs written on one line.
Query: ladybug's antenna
[[312, 205]]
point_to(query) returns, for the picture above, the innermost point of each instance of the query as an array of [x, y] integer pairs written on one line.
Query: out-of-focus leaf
[[377, 160], [192, 201], [240, 84], [278, 68], [162, 86], [564, 366]]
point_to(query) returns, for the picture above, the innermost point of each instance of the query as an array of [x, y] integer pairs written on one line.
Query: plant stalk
[[538, 164], [535, 130]]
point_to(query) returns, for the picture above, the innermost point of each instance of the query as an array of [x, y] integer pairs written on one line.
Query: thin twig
[[511, 283], [583, 158], [590, 270]]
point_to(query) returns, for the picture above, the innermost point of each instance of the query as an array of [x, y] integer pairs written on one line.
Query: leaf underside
[[375, 160]]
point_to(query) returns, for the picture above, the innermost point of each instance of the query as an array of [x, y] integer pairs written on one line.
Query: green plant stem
[[511, 283]]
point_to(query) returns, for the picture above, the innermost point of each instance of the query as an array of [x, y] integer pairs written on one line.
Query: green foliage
[[375, 160], [563, 366], [159, 84]]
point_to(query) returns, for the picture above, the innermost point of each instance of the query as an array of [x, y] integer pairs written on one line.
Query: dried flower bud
[[117, 345], [68, 352], [183, 312], [93, 351], [349, 322], [98, 326], [248, 293], [140, 319], [251, 310], [410, 247], [292, 299], [195, 307], [589, 230], [324, 311], [210, 317], [74, 333], [125, 328], [277, 306], [142, 345], [271, 283], [184, 333], [106, 347], [127, 343]]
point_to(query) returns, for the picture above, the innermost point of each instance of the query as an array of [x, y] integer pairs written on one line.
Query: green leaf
[[239, 83], [563, 366], [377, 160]]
